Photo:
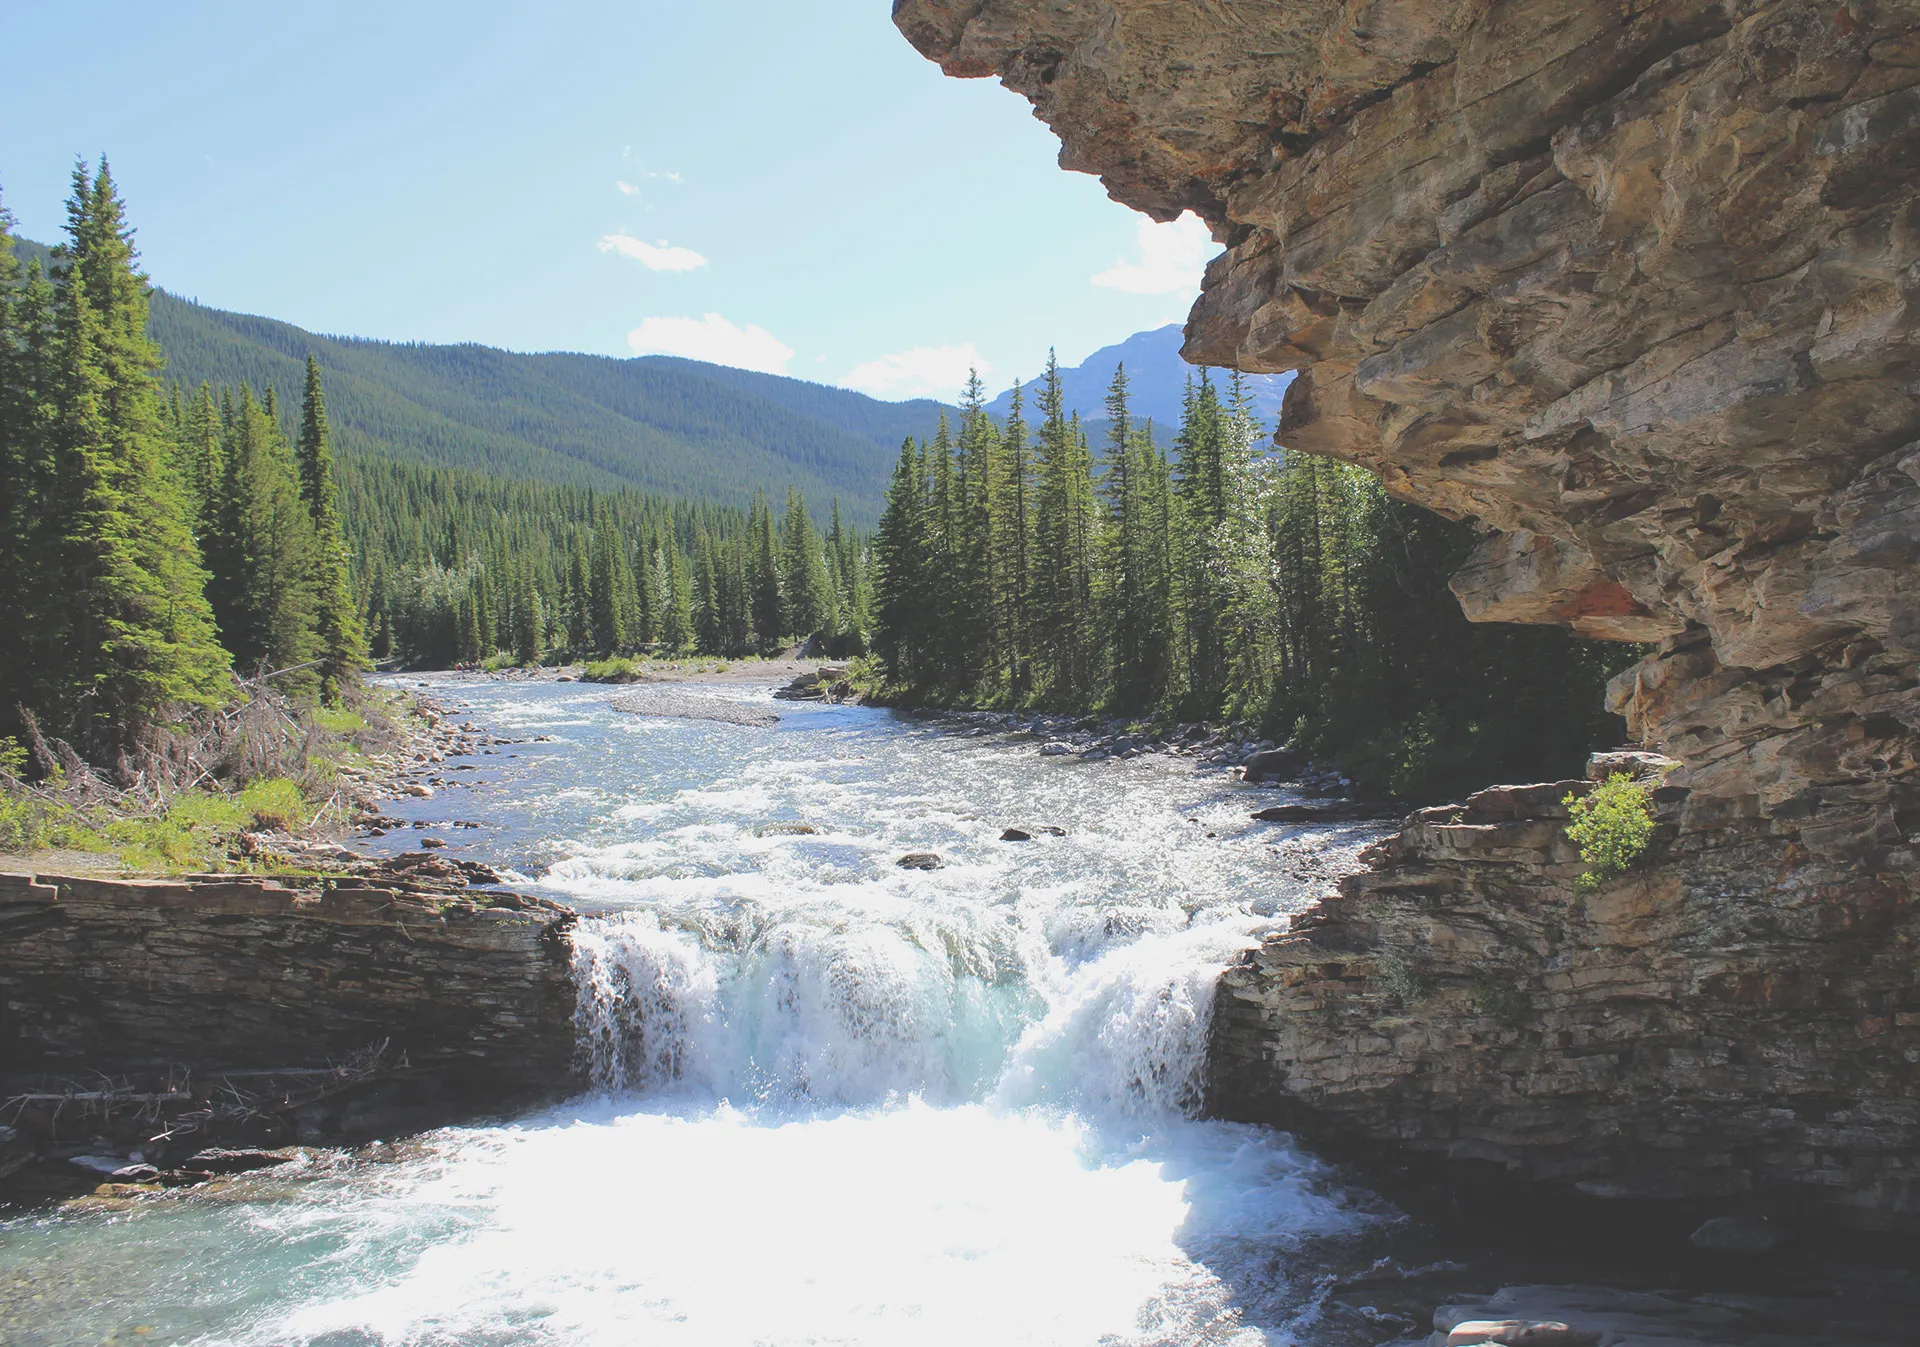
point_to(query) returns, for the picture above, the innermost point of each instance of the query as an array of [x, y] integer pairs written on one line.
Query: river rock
[[1743, 1236], [1055, 748], [1859, 1317], [1518, 1333], [1272, 764], [920, 860], [218, 1160], [431, 843], [418, 789], [786, 828], [16, 1152], [1636, 764], [1016, 835], [1341, 812]]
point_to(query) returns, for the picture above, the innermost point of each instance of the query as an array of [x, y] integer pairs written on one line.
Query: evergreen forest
[[161, 536], [1017, 564], [149, 546]]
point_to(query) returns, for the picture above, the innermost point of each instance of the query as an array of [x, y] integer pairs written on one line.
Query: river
[[836, 1101]]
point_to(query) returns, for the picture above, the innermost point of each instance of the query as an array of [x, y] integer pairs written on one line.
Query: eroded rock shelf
[[210, 973]]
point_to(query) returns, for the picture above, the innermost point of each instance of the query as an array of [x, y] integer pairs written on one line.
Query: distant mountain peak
[[1156, 381]]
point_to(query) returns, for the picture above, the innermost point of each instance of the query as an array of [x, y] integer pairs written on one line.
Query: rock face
[[1633, 283], [1678, 1033], [214, 973]]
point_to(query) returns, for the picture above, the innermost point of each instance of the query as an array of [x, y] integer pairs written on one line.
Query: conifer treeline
[[113, 609], [1218, 580], [457, 567]]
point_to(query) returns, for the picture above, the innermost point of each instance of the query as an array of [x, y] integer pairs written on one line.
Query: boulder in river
[[786, 828], [1272, 764], [1741, 1236], [1016, 835], [1339, 811], [1518, 1333], [1055, 748], [219, 1160], [920, 860]]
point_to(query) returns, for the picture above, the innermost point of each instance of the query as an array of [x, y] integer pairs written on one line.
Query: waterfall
[[790, 1008]]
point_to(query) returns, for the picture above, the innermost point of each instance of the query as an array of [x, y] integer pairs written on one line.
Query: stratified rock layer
[[235, 972], [1633, 283], [1679, 1033]]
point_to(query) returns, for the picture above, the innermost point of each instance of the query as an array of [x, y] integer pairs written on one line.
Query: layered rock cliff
[[1633, 283], [218, 973]]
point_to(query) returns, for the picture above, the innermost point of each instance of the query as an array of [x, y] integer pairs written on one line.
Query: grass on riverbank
[[258, 764]]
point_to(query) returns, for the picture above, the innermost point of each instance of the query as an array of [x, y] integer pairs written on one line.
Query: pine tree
[[1012, 544], [129, 618], [809, 603], [709, 622], [1062, 568], [529, 623], [678, 631], [579, 599], [606, 631], [768, 611], [1129, 619], [264, 569], [22, 480], [342, 639], [975, 579], [900, 557]]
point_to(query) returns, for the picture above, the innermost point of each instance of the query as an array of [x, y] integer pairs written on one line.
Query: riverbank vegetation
[[460, 568], [1017, 566], [182, 640], [152, 546]]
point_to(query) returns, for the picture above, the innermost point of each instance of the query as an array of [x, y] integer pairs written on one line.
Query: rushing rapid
[[835, 1100]]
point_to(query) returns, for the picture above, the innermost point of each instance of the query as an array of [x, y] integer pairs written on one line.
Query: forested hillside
[[660, 424]]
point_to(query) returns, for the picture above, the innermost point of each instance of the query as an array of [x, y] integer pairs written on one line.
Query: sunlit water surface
[[837, 1102]]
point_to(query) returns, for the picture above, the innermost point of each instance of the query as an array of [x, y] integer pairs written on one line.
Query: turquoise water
[[836, 1101]]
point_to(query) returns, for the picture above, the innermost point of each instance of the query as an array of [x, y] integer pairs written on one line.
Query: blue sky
[[785, 186]]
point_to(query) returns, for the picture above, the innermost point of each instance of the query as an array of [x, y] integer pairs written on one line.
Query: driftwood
[[179, 1108]]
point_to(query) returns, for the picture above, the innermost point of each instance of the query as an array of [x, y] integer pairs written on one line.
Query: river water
[[836, 1101]]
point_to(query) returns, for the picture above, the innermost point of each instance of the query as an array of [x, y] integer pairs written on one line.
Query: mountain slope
[[1156, 379], [661, 424]]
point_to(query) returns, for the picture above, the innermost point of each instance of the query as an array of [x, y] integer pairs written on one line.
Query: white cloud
[[712, 338], [1171, 258], [663, 257], [633, 189], [923, 372]]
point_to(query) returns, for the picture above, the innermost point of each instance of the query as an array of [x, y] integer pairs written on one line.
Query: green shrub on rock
[[1613, 826]]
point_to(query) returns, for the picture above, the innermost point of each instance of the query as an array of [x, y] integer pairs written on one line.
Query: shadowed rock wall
[[1632, 282], [238, 972]]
